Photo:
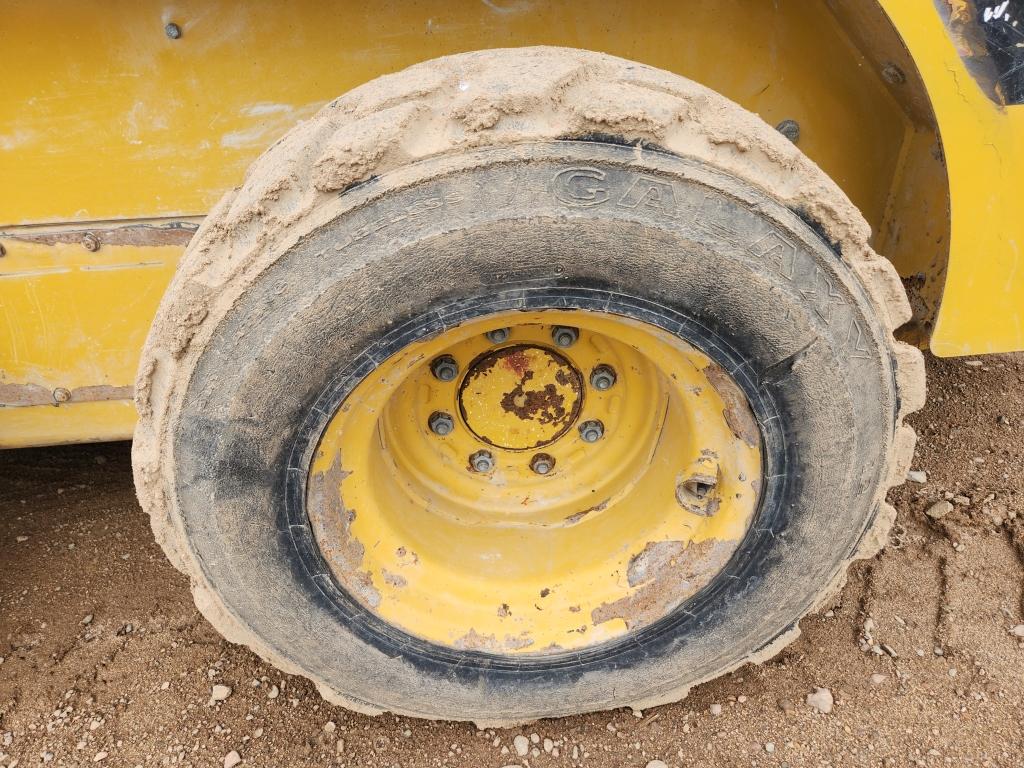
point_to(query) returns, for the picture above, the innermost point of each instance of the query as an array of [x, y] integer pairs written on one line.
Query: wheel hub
[[521, 397], [535, 482]]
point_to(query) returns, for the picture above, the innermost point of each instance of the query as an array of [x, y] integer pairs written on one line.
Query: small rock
[[939, 510], [786, 705], [257, 733], [273, 692], [769, 747], [220, 693], [339, 747], [87, 620], [522, 745], [963, 501], [100, 756], [1018, 631], [973, 363], [878, 678], [20, 539], [657, 764], [820, 700], [231, 759], [329, 726], [548, 745], [165, 685], [715, 710], [917, 476]]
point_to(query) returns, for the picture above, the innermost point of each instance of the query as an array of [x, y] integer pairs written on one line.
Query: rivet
[[61, 395], [498, 335], [893, 75], [172, 30], [90, 242], [790, 129]]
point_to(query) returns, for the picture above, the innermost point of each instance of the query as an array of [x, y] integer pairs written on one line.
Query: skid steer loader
[[505, 359]]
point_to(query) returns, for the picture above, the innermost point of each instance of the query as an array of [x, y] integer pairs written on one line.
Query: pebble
[[877, 678], [939, 510], [273, 692], [220, 693], [99, 757], [231, 759], [20, 539], [769, 747], [657, 764], [522, 745], [715, 709], [820, 700], [1018, 631], [329, 726], [548, 745], [786, 705], [917, 476], [87, 620]]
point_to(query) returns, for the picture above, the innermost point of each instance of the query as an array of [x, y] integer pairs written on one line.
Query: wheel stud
[[602, 377], [441, 423], [498, 335], [591, 431], [481, 461], [564, 336], [444, 368], [541, 463]]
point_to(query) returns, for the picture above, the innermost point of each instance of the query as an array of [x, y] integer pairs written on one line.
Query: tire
[[446, 192]]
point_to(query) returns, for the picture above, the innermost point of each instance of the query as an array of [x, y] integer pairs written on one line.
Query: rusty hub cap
[[521, 397], [527, 504]]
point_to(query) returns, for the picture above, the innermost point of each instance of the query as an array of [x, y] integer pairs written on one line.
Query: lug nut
[[61, 395], [498, 335], [441, 423], [172, 30], [602, 377], [591, 431], [541, 463], [481, 461], [444, 368], [564, 336]]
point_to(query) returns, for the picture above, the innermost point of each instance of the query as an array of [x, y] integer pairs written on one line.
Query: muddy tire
[[505, 181]]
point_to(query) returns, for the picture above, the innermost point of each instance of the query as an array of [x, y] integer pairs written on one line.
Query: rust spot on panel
[[664, 573], [737, 411], [393, 579], [332, 522], [94, 238], [21, 395], [474, 641]]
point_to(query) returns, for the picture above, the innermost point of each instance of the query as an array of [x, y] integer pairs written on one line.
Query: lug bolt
[[481, 461], [564, 336], [441, 423], [444, 368], [172, 30], [602, 378], [498, 335], [61, 395], [541, 463], [591, 431]]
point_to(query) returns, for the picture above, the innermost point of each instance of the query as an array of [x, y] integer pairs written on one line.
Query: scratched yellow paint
[[556, 549], [983, 302]]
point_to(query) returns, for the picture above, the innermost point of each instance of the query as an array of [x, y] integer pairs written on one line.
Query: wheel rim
[[549, 494]]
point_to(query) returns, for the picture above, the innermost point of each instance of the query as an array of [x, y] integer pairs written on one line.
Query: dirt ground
[[106, 661]]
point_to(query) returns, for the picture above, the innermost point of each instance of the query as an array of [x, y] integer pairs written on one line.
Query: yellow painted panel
[[117, 120], [70, 423], [982, 307]]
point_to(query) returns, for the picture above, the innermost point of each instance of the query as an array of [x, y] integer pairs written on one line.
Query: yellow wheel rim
[[535, 482]]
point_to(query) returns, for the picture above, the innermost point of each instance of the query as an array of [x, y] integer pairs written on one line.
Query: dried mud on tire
[[438, 112]]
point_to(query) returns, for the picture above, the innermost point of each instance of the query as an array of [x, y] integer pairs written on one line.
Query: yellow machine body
[[118, 135]]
